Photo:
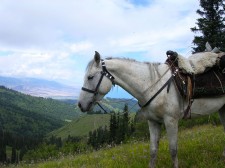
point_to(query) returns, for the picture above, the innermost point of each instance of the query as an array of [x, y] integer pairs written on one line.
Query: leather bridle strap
[[104, 72], [95, 92], [107, 73]]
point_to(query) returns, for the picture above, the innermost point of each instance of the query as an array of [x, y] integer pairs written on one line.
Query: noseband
[[104, 72]]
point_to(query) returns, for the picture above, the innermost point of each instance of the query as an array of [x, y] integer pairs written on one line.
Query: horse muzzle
[[85, 108]]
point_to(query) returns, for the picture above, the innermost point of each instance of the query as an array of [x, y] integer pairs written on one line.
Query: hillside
[[90, 122], [201, 146], [117, 105], [82, 126], [27, 115]]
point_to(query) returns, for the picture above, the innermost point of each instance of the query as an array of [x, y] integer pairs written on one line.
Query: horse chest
[[155, 114]]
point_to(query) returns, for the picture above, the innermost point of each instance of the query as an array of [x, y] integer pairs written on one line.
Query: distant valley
[[68, 94], [40, 87]]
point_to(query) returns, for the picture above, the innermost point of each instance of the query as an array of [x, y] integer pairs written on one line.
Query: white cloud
[[81, 46], [55, 39]]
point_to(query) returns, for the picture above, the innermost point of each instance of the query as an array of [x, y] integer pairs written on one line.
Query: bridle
[[104, 72]]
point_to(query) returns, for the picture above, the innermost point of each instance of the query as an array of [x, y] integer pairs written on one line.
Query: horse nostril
[[79, 105]]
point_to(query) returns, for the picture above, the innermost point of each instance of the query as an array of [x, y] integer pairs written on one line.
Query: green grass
[[199, 147], [82, 126]]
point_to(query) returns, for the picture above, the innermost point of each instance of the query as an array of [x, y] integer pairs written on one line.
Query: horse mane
[[133, 60], [119, 58], [153, 67]]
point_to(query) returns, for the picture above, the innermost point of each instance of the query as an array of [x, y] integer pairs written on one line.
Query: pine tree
[[13, 156], [132, 126], [94, 139], [99, 138], [2, 146], [3, 153], [125, 123], [119, 130], [58, 142], [113, 127], [22, 152], [211, 25], [106, 135], [126, 119]]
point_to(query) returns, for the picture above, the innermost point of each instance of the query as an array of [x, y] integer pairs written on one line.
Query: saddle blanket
[[202, 75], [208, 84], [198, 63]]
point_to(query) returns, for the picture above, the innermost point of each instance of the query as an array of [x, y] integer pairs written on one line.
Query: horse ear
[[97, 57], [208, 47]]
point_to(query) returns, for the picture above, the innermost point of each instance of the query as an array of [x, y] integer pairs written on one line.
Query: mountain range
[[40, 87]]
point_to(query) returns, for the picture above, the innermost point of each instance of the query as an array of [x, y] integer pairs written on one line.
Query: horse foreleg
[[222, 119], [172, 130], [155, 129]]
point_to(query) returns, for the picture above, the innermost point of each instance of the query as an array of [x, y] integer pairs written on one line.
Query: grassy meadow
[[198, 147], [82, 126]]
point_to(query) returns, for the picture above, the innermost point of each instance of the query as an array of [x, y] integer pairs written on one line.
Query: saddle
[[195, 80]]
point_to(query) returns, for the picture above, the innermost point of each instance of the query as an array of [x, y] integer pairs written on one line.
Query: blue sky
[[56, 39]]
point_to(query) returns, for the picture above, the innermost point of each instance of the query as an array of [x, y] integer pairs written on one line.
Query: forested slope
[[27, 115]]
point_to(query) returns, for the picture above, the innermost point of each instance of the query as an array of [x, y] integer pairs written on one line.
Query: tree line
[[120, 129], [19, 146]]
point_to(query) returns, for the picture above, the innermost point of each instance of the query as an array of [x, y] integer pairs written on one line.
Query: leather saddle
[[210, 83]]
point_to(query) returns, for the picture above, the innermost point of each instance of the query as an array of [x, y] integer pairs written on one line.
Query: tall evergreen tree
[[22, 152], [13, 156], [2, 146], [2, 152], [211, 26], [125, 121], [132, 127], [113, 127]]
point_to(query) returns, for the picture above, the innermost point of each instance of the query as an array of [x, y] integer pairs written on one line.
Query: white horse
[[143, 80]]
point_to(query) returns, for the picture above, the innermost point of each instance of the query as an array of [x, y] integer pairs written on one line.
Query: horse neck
[[134, 77]]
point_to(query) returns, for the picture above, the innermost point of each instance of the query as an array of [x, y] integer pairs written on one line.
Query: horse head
[[97, 83]]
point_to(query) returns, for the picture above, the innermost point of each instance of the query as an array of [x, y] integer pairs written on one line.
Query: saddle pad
[[209, 84], [197, 63]]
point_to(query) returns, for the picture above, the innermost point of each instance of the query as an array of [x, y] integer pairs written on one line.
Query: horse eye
[[90, 77]]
